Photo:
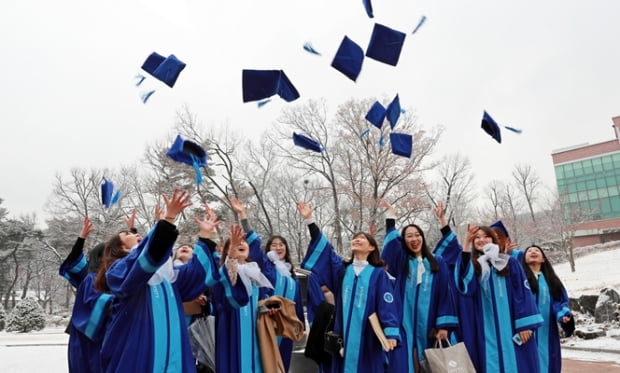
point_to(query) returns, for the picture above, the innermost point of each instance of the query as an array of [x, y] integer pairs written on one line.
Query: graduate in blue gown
[[147, 331], [276, 264], [552, 300], [236, 339], [503, 312], [361, 287], [90, 309], [423, 299]]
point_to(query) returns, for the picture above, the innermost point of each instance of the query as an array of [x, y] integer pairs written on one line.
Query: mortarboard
[[402, 144], [385, 44], [368, 7], [376, 114], [108, 197], [393, 111], [166, 69], [307, 143], [500, 226], [190, 153], [262, 84], [349, 58], [490, 126]]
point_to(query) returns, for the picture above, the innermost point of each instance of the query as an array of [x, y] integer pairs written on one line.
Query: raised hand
[[439, 213], [176, 204], [130, 221], [239, 207], [386, 205], [159, 212], [305, 210], [469, 238], [208, 223], [87, 228]]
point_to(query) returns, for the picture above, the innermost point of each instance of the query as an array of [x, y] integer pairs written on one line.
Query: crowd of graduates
[[376, 311]]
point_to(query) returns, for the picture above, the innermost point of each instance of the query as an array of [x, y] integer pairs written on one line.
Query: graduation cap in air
[[368, 7], [190, 153], [393, 111], [402, 144], [490, 126], [108, 196], [349, 58], [500, 226], [261, 84], [166, 69], [307, 143], [376, 114], [385, 44]]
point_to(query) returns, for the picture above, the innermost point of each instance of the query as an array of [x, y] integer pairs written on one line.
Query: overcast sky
[[68, 98]]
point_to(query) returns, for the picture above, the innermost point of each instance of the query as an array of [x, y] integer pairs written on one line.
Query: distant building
[[587, 177]]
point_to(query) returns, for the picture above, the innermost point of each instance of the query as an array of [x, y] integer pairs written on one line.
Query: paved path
[[578, 366]]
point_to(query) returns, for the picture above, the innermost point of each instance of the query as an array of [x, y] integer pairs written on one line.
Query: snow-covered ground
[[46, 350]]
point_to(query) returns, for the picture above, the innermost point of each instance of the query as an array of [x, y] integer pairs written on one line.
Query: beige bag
[[451, 359]]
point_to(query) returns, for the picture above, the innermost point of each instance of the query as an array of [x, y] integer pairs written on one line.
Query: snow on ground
[[592, 273]]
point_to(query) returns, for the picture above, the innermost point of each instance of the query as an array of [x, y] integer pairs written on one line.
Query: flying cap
[[349, 58], [262, 84], [490, 126], [393, 111], [307, 143], [376, 114], [500, 226], [402, 144], [190, 153], [166, 69], [368, 7], [108, 197], [385, 44]]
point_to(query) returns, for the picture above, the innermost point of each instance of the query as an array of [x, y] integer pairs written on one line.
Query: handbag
[[333, 344], [451, 359]]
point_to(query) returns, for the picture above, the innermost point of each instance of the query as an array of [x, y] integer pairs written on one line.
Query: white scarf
[[421, 270], [493, 257], [359, 265], [250, 274], [166, 271], [282, 266]]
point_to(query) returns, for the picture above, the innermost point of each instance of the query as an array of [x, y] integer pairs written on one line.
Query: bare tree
[[528, 182]]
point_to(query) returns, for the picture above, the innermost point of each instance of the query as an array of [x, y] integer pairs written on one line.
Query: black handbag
[[333, 344]]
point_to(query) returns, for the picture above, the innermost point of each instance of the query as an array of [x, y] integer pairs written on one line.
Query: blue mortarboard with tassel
[[259, 85], [307, 143], [393, 111], [490, 126], [108, 196], [385, 44], [165, 69], [402, 144], [349, 58], [190, 153], [376, 114]]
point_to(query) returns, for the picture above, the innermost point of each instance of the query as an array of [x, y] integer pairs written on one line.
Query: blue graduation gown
[[421, 307], [147, 331], [284, 286], [357, 297], [502, 307], [89, 316], [548, 334]]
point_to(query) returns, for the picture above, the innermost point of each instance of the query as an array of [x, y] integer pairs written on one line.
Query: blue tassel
[[422, 20], [263, 102], [309, 48], [147, 95], [381, 141], [116, 197], [196, 165], [364, 132], [140, 79], [515, 130]]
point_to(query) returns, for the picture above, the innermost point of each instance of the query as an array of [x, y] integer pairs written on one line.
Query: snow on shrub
[[2, 316], [26, 316]]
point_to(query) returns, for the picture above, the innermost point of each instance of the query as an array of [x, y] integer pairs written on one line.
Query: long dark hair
[[555, 285], [426, 253], [94, 257], [112, 251], [374, 257], [287, 255], [475, 254]]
